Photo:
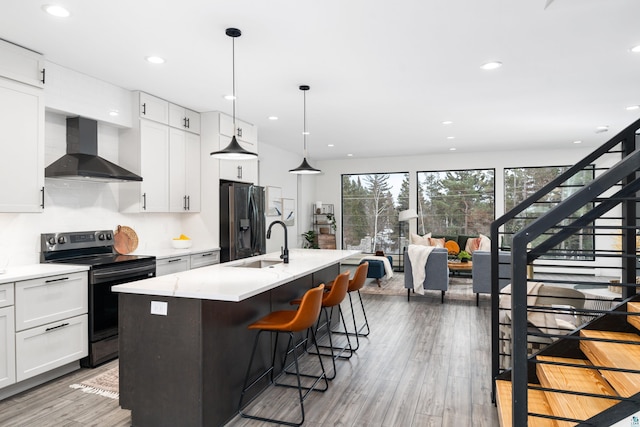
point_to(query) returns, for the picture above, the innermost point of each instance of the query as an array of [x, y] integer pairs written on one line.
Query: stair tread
[[616, 355], [633, 307], [574, 379], [537, 403]]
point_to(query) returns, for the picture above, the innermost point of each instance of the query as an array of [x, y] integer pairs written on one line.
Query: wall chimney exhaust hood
[[82, 161]]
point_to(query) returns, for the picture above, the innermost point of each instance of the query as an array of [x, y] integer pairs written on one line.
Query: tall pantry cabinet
[[21, 129]]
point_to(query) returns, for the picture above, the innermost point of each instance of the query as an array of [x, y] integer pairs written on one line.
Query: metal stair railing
[[558, 224]]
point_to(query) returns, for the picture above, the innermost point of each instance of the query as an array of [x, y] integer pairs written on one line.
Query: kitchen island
[[184, 343]]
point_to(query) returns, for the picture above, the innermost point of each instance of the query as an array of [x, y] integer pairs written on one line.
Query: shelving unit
[[325, 233]]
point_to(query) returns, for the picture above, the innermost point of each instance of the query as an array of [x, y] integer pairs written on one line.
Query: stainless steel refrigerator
[[242, 220]]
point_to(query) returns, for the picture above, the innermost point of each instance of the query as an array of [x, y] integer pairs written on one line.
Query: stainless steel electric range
[[106, 269]]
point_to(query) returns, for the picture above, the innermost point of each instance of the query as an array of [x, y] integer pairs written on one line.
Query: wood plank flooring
[[424, 364]]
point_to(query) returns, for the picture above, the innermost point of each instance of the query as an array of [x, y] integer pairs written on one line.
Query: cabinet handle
[[56, 327], [184, 203], [207, 254], [239, 133], [175, 260], [144, 201], [60, 279], [44, 75], [239, 172], [187, 123], [144, 108], [42, 204], [188, 203]]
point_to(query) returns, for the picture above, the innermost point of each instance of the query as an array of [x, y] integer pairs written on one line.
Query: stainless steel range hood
[[82, 161]]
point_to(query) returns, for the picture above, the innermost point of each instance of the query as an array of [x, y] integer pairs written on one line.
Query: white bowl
[[180, 244]]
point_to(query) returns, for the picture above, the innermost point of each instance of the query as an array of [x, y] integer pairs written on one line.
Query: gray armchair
[[437, 273], [481, 272]]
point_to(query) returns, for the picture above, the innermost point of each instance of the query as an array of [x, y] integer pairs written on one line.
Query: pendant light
[[305, 168], [233, 151]]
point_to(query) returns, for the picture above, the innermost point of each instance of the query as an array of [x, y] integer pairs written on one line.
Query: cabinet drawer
[[49, 299], [203, 259], [172, 265], [6, 294], [7, 347], [50, 346]]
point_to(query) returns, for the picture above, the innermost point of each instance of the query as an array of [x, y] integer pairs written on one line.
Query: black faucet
[[284, 252]]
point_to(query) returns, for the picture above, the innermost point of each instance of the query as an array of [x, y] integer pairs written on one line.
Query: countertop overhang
[[232, 282]]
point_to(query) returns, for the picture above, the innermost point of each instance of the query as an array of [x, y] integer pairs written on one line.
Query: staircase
[[588, 375]]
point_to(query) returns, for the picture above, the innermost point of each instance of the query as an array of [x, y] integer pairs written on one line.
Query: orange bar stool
[[355, 284], [289, 322], [330, 300]]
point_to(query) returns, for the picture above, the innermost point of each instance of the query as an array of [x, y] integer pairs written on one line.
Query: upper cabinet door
[[183, 118], [23, 65], [152, 108], [243, 131], [22, 147]]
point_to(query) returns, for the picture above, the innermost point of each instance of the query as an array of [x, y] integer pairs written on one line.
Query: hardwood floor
[[424, 364]]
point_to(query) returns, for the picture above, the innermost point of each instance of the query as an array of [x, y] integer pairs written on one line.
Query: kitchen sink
[[260, 263]]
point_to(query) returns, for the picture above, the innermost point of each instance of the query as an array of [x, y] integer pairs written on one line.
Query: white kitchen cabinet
[[50, 299], [247, 136], [22, 65], [49, 346], [184, 171], [144, 150], [173, 265], [202, 259], [152, 108], [22, 147], [7, 335], [183, 118]]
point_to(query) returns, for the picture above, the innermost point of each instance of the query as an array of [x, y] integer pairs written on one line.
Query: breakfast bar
[[184, 343]]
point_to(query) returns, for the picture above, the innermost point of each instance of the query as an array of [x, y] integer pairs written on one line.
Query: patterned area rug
[[105, 384], [459, 287]]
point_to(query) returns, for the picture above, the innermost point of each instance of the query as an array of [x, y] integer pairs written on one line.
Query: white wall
[[274, 166]]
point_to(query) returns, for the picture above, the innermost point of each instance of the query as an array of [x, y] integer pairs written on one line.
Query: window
[[458, 202], [370, 207], [520, 183]]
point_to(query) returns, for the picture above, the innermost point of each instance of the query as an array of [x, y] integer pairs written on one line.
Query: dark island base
[[187, 368]]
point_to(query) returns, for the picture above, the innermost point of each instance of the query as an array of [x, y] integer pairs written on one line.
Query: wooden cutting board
[[125, 240]]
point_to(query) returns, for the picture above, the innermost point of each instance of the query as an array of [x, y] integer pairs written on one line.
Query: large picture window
[[370, 207], [520, 183], [456, 202]]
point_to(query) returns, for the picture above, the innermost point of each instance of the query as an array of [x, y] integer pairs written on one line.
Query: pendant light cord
[[304, 121], [233, 80]]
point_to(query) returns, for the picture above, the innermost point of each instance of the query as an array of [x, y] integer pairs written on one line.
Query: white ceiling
[[383, 74]]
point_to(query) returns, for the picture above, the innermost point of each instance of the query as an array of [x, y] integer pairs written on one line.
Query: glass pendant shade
[[305, 168], [234, 150]]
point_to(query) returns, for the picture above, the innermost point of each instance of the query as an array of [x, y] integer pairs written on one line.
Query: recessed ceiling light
[[349, 155], [273, 118], [56, 10], [447, 122], [114, 113], [330, 145], [577, 142], [633, 107], [491, 65], [452, 149], [451, 137], [229, 97], [601, 129], [635, 49], [155, 59]]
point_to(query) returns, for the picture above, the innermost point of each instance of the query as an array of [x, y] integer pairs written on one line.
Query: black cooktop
[[103, 259]]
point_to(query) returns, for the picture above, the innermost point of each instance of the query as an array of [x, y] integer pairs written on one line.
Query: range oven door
[[103, 305]]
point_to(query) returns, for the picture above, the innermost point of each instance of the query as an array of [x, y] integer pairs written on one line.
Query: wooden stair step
[[537, 403], [633, 307], [574, 379], [615, 355]]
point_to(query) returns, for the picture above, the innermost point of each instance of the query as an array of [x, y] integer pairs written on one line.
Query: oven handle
[[135, 272]]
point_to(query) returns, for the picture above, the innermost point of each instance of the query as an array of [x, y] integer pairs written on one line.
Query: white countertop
[[226, 282], [34, 271], [170, 252]]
